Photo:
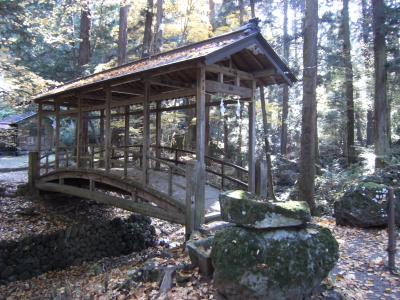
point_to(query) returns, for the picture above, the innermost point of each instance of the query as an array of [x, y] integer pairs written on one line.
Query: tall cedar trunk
[[285, 96], [253, 9], [84, 45], [370, 128], [211, 15], [122, 32], [348, 85], [358, 129], [271, 192], [157, 38], [380, 101], [147, 28], [308, 131], [241, 12]]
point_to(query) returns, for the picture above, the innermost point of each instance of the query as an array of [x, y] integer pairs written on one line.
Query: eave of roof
[[208, 51]]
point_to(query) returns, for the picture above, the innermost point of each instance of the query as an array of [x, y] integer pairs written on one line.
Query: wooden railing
[[93, 156]]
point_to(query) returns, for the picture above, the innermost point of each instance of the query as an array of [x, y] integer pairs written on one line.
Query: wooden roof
[[246, 48]]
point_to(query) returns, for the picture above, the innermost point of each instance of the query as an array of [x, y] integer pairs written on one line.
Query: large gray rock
[[242, 208], [365, 205], [277, 264]]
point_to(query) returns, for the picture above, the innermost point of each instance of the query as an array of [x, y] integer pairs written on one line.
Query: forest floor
[[360, 273]]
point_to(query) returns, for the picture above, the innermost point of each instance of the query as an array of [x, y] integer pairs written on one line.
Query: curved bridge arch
[[142, 199]]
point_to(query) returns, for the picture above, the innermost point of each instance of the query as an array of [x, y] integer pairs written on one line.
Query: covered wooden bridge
[[178, 185]]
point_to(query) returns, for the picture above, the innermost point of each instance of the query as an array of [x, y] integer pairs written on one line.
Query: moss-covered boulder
[[365, 205], [242, 208], [277, 264]]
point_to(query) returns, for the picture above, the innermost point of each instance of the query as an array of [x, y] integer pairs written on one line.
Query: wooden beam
[[39, 127], [146, 132], [217, 87], [141, 208], [158, 134], [126, 140], [200, 147], [265, 73], [229, 71], [78, 137], [172, 83], [127, 90], [57, 142], [252, 140], [107, 129]]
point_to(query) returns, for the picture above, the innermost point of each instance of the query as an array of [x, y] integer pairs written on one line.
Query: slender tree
[[241, 12], [285, 95], [211, 14], [348, 84], [123, 32], [253, 9], [148, 21], [380, 101], [271, 193], [307, 151], [84, 45], [158, 34]]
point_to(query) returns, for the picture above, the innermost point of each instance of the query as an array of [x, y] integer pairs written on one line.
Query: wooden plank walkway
[[159, 181]]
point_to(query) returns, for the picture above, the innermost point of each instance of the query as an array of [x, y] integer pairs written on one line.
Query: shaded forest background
[[46, 43]]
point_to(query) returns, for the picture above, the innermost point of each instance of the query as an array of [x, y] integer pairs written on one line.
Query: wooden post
[[170, 181], [252, 140], [158, 134], [33, 171], [92, 156], [79, 133], [207, 121], [101, 159], [200, 148], [190, 197], [126, 141], [66, 158], [146, 132], [392, 231], [107, 129], [261, 178], [57, 150], [39, 136]]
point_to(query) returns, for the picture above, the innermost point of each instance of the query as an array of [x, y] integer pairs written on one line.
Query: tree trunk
[[348, 85], [158, 34], [358, 129], [307, 152], [147, 28], [370, 128], [122, 32], [271, 192], [380, 102], [241, 12], [285, 98], [84, 45], [252, 8], [211, 15]]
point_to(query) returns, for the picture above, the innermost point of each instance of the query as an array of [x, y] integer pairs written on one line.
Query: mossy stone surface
[[278, 264], [365, 205], [244, 209]]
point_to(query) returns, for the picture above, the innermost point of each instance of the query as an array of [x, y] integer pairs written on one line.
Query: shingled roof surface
[[187, 53], [14, 119]]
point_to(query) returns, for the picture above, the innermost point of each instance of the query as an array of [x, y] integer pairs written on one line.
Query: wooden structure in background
[[233, 64]]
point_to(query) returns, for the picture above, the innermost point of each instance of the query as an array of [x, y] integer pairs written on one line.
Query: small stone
[[199, 252]]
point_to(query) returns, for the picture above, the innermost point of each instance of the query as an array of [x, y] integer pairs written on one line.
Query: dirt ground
[[360, 273]]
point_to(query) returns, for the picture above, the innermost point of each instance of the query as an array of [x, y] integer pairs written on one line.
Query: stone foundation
[[33, 255]]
